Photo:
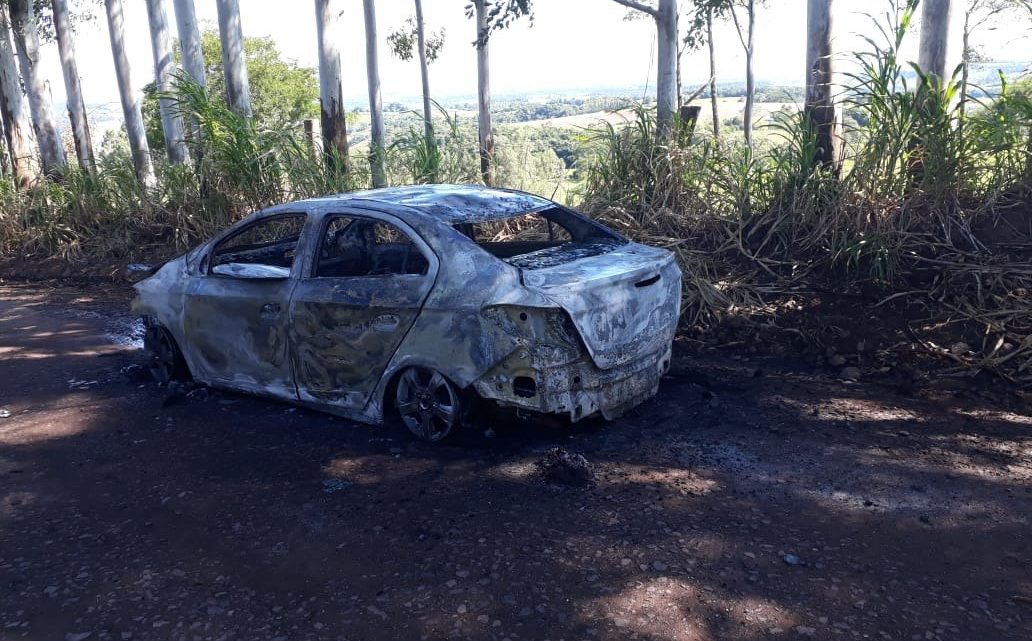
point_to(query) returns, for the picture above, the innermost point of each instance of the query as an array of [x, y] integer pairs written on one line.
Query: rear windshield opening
[[539, 239]]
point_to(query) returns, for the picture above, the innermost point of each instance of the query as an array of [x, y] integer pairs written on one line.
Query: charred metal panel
[[346, 330], [456, 203]]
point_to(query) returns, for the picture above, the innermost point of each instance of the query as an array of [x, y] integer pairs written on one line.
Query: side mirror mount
[[135, 272]]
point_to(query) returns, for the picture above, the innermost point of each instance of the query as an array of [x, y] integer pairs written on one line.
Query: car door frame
[[350, 402], [205, 276]]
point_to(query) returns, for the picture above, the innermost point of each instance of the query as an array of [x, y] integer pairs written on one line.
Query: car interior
[[540, 239], [365, 247]]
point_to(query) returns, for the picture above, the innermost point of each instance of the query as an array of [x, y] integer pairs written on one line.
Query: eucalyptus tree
[[73, 89], [699, 32], [192, 56], [130, 102], [331, 97], [14, 109], [412, 37], [161, 48], [977, 15], [664, 13], [190, 41], [41, 106], [377, 144], [485, 130], [743, 15], [935, 32], [234, 63], [820, 109]]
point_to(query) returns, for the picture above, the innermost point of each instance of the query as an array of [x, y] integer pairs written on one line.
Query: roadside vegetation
[[928, 205]]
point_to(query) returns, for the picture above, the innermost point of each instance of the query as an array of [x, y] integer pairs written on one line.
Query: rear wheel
[[429, 405], [164, 360]]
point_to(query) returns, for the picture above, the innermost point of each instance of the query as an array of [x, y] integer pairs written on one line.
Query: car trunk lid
[[624, 303]]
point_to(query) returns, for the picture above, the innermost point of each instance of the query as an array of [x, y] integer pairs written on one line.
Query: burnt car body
[[416, 297]]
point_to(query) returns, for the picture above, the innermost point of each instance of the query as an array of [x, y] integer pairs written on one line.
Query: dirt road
[[752, 500]]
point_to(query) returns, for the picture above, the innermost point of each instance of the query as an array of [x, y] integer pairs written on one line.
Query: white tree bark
[[424, 73], [15, 109], [750, 76], [41, 105], [190, 41], [331, 98], [234, 62], [161, 48], [377, 144], [665, 16], [73, 89], [713, 75], [935, 31], [486, 134], [130, 103], [666, 67], [820, 106]]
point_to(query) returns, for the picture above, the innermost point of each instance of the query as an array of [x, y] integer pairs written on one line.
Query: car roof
[[449, 203]]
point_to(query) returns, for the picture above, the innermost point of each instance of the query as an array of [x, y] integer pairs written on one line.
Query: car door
[[368, 277], [236, 310]]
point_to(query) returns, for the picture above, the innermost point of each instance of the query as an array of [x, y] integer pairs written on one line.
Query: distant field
[[728, 107]]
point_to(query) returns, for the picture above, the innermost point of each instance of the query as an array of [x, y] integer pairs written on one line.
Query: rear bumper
[[578, 389]]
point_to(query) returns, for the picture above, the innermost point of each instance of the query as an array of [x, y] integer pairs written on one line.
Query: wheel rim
[[162, 353], [428, 404]]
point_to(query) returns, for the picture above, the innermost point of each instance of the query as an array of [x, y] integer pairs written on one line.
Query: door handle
[[271, 308]]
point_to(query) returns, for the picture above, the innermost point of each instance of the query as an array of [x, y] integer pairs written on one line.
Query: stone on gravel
[[838, 360], [850, 373], [792, 559], [563, 467]]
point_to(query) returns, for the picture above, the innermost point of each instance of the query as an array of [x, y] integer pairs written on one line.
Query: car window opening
[[541, 239], [269, 243], [356, 247]]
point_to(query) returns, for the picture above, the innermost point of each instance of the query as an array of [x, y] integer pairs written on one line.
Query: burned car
[[414, 302]]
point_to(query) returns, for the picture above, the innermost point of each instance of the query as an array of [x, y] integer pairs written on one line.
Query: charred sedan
[[416, 300]]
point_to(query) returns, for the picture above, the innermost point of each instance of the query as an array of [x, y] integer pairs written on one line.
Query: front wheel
[[428, 403], [164, 360]]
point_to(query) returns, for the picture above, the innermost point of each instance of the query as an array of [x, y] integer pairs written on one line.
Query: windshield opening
[[540, 239]]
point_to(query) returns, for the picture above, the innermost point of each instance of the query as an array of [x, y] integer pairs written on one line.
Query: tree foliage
[[403, 41], [282, 92]]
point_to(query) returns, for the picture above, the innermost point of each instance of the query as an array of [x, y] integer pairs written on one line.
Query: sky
[[572, 45]]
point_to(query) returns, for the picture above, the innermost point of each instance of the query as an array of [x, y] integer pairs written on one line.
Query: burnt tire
[[164, 359], [428, 404]]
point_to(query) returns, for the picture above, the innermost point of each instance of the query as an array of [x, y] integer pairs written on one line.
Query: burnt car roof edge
[[446, 202]]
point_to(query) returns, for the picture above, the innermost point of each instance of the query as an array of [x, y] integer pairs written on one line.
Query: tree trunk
[[73, 89], [15, 110], [234, 62], [26, 40], [161, 47], [486, 135], [5, 164], [750, 76], [820, 108], [424, 71], [666, 67], [193, 61], [190, 41], [713, 74], [331, 99], [935, 31], [377, 145], [130, 104]]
